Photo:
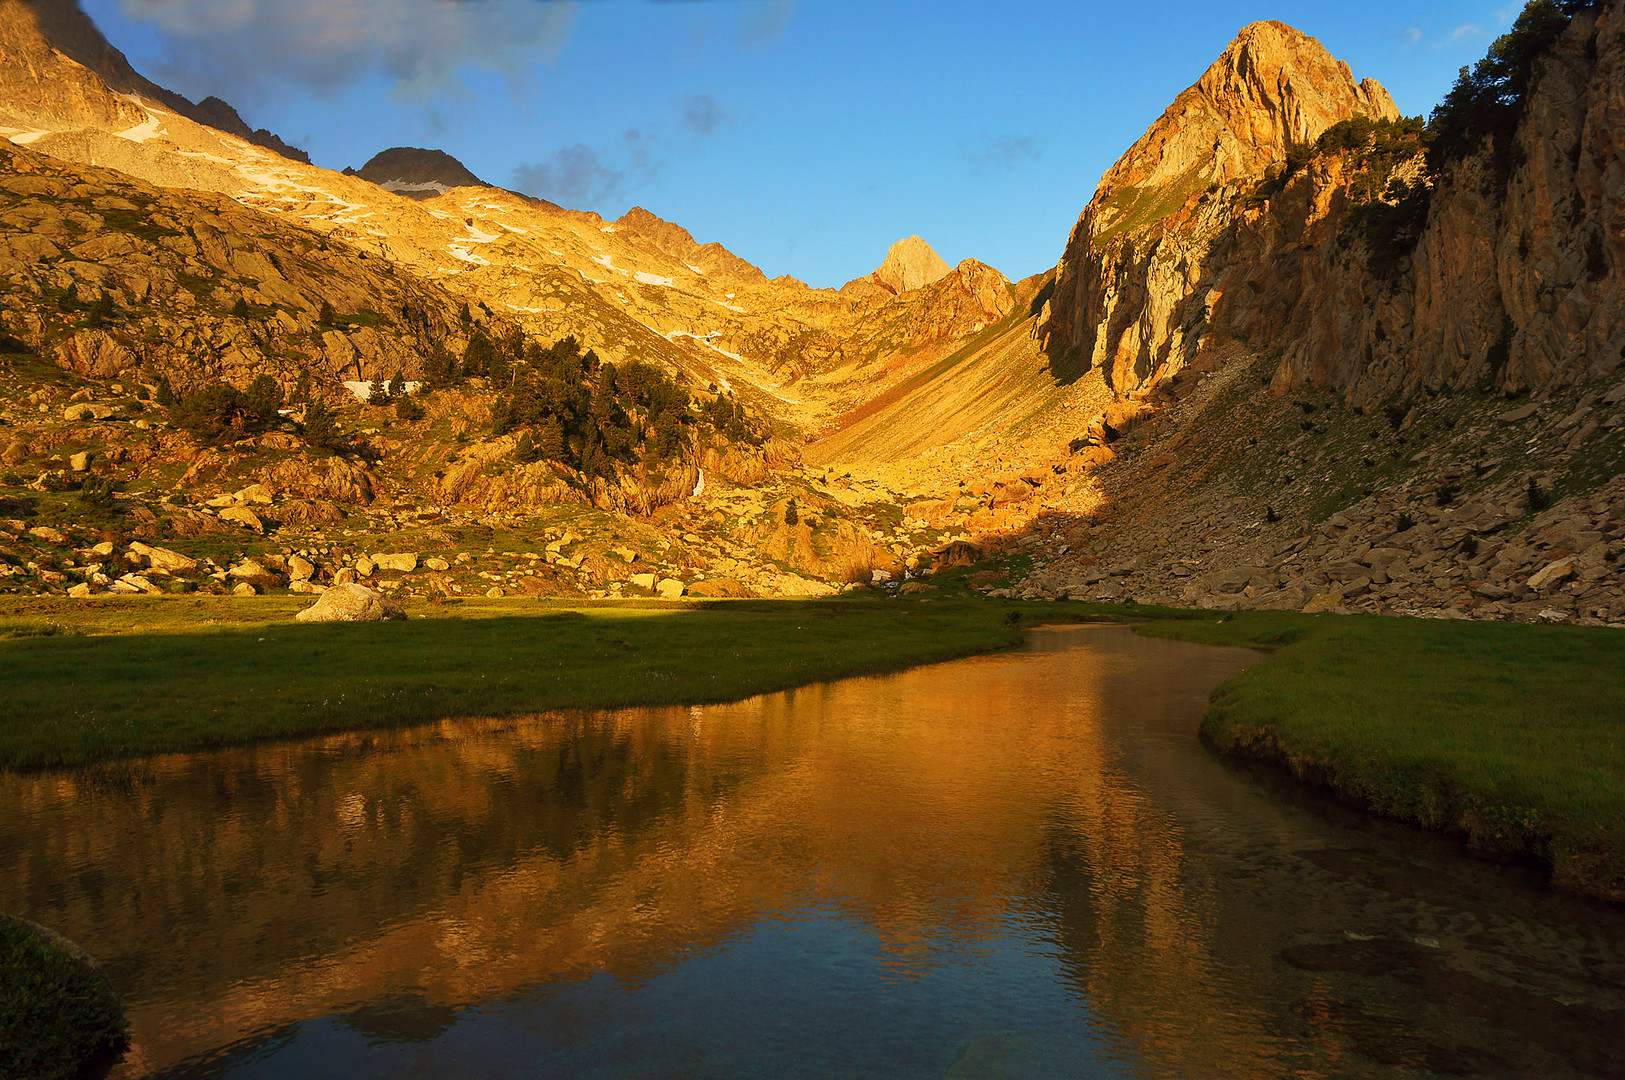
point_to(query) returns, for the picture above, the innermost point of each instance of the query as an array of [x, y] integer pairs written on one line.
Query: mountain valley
[[1299, 352]]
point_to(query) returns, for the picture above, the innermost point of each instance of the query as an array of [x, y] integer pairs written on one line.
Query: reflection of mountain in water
[[1051, 808]]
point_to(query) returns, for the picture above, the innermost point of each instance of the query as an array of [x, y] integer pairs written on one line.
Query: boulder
[[494, 593], [352, 603], [437, 564], [643, 581], [670, 588], [347, 576], [243, 516], [162, 558], [301, 568], [16, 453], [401, 563], [364, 567], [137, 583], [80, 462], [81, 590], [308, 587], [1323, 602], [48, 534], [1520, 414], [86, 411], [1552, 574], [255, 495], [243, 588]]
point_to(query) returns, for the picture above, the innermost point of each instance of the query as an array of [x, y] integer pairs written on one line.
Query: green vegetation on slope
[[1510, 735], [57, 1014]]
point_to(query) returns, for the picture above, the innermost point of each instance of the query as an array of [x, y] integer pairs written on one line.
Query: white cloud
[[230, 46]]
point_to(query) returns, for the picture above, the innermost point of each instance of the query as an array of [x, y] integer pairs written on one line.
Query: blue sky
[[804, 135]]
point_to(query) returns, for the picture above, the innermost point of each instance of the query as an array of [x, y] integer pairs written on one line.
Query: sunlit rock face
[[1514, 275], [910, 264], [1147, 243]]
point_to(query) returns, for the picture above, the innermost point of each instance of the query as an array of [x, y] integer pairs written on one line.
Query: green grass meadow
[[1510, 735]]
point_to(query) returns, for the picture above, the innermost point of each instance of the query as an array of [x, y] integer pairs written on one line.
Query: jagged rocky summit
[[416, 172]]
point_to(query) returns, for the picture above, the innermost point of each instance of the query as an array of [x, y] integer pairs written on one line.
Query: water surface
[[1007, 866]]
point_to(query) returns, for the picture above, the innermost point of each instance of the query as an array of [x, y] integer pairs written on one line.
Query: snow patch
[[699, 485], [22, 136], [363, 390], [143, 131], [458, 251], [401, 187], [652, 279]]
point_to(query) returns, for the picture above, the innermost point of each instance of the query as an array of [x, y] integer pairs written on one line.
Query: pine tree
[[301, 388], [321, 431], [326, 317], [376, 393], [397, 385], [263, 399], [525, 449]]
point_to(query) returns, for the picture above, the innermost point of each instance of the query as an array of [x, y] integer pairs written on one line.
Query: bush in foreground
[[57, 1011]]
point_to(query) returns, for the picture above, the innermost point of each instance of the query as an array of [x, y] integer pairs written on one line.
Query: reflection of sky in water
[[792, 996], [1013, 865]]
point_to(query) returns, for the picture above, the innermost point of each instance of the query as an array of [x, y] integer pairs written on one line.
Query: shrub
[[1535, 497], [57, 1015], [408, 409], [96, 491], [219, 413], [1405, 523]]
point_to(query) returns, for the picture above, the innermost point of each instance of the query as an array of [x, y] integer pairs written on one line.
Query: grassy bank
[[80, 685], [1512, 736]]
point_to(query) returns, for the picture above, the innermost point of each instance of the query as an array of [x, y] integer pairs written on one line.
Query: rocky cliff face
[[1134, 283], [60, 68], [1487, 277], [1516, 279]]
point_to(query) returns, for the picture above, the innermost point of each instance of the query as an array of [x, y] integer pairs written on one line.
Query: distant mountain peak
[[911, 263], [416, 172]]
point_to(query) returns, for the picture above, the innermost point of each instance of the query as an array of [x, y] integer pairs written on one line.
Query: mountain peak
[[1273, 87], [910, 264], [416, 172]]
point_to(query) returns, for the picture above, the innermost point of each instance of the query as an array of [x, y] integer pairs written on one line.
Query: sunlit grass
[[1511, 735], [69, 698]]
